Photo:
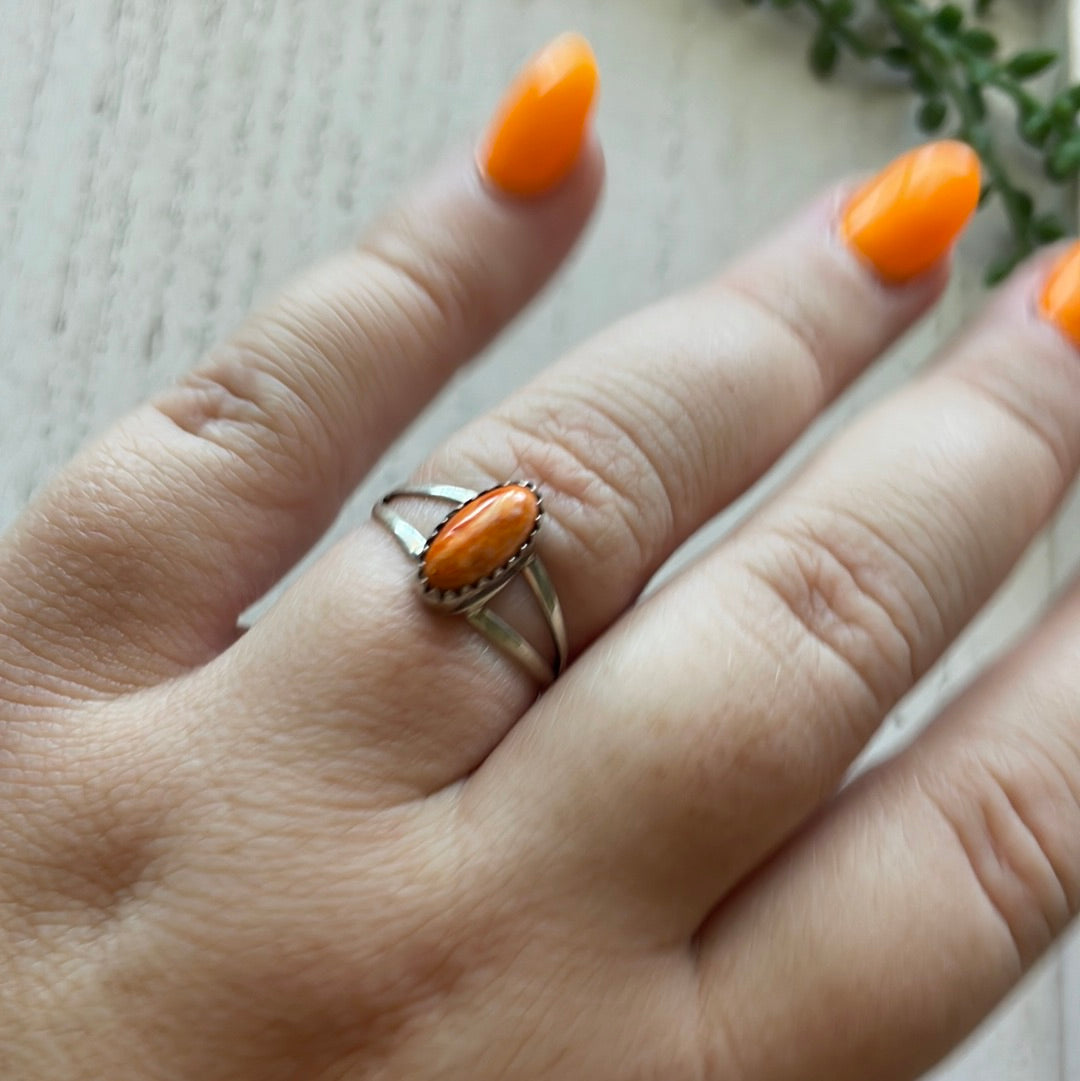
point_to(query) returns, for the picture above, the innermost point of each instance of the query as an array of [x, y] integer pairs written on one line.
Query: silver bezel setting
[[471, 601], [478, 593]]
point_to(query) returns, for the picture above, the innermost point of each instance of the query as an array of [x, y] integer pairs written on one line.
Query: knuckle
[[283, 394], [855, 596], [249, 400], [1016, 820], [432, 288], [996, 387], [608, 496], [796, 338], [86, 575]]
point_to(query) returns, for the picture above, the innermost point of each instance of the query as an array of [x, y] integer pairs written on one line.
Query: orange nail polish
[[1060, 299], [537, 132], [905, 219]]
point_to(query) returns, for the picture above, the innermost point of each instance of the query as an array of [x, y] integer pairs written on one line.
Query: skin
[[282, 855]]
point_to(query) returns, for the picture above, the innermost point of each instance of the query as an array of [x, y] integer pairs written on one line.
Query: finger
[[156, 539], [918, 901], [732, 703], [635, 440]]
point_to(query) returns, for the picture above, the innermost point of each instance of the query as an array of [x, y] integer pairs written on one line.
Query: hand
[[354, 842]]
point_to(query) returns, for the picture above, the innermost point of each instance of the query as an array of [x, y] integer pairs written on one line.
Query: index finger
[[153, 541]]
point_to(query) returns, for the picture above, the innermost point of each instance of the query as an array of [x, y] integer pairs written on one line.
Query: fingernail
[[538, 130], [1060, 299], [904, 220]]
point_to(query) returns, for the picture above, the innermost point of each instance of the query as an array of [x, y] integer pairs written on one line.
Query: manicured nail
[[538, 130], [1060, 299], [905, 219]]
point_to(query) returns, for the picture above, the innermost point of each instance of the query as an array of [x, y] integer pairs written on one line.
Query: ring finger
[[635, 441]]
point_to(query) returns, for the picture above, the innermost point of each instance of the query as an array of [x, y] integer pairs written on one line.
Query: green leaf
[[841, 10], [977, 136], [823, 54], [1028, 64], [948, 19], [1064, 162], [1072, 95], [898, 56], [977, 107], [924, 82], [982, 7], [1023, 205], [932, 115], [908, 20], [1035, 130], [1000, 269], [980, 42], [1063, 112], [1047, 228]]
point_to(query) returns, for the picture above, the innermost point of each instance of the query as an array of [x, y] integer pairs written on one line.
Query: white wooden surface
[[161, 164]]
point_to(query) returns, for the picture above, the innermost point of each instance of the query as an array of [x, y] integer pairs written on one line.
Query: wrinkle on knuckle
[[432, 292], [1016, 822], [799, 339], [675, 481], [604, 493], [840, 588], [1002, 394], [244, 401], [285, 390], [86, 568]]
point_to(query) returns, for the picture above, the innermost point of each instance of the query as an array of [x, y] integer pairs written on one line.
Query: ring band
[[479, 547]]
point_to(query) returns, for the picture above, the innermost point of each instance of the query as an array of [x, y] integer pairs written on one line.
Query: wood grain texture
[[163, 166]]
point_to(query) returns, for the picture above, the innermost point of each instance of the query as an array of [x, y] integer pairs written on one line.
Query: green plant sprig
[[953, 66]]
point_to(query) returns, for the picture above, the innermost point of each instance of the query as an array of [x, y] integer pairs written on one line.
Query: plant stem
[[951, 64]]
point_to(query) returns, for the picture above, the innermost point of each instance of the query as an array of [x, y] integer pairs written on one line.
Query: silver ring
[[485, 541]]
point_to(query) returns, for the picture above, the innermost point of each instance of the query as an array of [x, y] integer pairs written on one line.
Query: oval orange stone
[[481, 536]]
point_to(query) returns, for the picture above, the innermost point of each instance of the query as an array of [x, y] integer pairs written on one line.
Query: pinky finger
[[899, 921]]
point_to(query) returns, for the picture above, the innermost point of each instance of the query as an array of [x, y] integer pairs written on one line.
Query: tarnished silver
[[471, 601]]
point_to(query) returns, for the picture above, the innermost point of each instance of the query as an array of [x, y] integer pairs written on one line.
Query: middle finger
[[635, 441], [783, 650]]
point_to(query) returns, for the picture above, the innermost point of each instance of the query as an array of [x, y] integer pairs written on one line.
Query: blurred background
[[163, 166]]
